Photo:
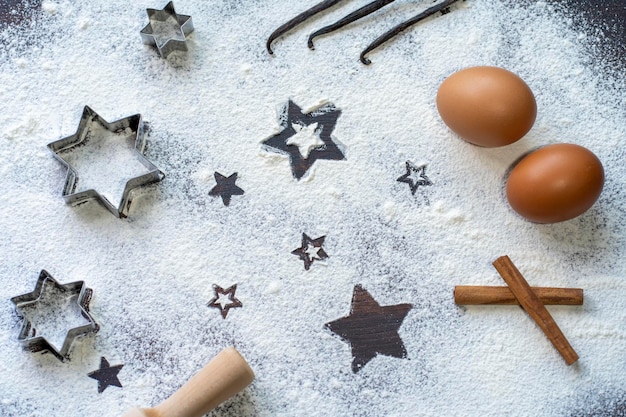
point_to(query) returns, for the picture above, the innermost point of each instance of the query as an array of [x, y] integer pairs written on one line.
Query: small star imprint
[[225, 187], [415, 176], [311, 250], [225, 299], [306, 137], [106, 375], [371, 329]]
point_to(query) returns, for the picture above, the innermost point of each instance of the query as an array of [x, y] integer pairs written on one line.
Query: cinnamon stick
[[534, 307], [475, 295]]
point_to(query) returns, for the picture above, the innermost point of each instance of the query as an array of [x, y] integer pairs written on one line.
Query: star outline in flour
[[80, 138], [171, 44], [371, 329], [303, 251], [28, 334], [106, 375], [291, 114], [225, 187], [230, 292], [423, 180]]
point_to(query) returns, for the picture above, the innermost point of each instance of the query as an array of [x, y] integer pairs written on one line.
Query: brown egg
[[555, 183], [487, 106]]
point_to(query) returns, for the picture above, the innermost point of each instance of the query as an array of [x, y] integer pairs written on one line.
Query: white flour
[[152, 274]]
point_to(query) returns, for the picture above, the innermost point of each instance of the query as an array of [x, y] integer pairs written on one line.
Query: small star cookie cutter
[[167, 30], [76, 292], [89, 120]]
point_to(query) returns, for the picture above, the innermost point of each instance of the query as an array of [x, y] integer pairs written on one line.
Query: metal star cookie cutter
[[90, 119], [167, 30], [76, 292]]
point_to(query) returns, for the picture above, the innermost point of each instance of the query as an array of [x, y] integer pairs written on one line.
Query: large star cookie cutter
[[74, 295], [132, 128], [167, 30]]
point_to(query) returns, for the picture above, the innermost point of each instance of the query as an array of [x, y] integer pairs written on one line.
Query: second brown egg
[[555, 183]]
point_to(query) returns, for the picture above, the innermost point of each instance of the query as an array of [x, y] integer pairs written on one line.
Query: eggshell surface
[[487, 106], [555, 183]]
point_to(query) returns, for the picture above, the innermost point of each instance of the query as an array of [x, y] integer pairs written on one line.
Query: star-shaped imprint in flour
[[225, 187], [106, 375], [306, 137], [311, 250], [415, 176], [371, 329], [225, 299], [105, 161]]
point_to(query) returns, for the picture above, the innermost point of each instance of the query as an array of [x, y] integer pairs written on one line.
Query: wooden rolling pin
[[224, 376]]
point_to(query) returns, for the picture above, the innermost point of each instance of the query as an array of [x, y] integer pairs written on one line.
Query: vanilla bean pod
[[320, 7], [441, 7], [352, 17]]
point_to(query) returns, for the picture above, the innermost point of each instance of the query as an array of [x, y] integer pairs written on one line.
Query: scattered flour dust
[[152, 274]]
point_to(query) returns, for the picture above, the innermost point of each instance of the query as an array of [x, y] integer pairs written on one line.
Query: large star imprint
[[106, 375], [318, 125], [225, 299], [225, 187], [167, 30], [98, 135], [311, 250], [371, 329], [53, 301], [415, 176]]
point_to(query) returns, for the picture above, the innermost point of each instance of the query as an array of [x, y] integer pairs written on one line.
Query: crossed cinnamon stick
[[481, 294], [532, 300]]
